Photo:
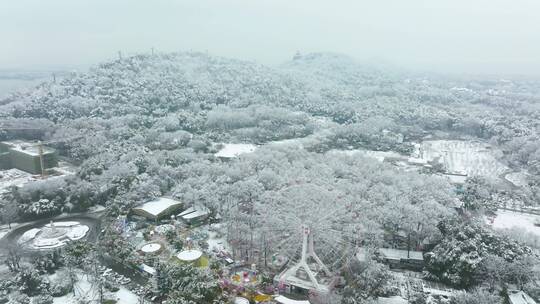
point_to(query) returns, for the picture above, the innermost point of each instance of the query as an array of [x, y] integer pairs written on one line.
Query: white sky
[[472, 36]]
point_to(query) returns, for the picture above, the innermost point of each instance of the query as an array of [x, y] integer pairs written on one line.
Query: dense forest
[[149, 125]]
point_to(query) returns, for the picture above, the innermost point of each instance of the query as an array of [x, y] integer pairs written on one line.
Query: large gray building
[[25, 155]]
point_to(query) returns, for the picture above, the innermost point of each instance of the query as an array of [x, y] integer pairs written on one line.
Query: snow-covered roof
[[417, 161], [189, 255], [285, 300], [194, 212], [158, 206], [187, 211], [439, 292], [391, 300], [27, 147], [148, 269], [398, 254], [151, 248], [234, 150], [240, 300], [520, 297], [456, 178]]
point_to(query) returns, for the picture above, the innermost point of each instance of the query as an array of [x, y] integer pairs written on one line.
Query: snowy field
[[378, 155], [462, 157], [235, 150], [509, 219]]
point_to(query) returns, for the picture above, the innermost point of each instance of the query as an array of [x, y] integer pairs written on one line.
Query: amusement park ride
[[327, 229], [315, 276]]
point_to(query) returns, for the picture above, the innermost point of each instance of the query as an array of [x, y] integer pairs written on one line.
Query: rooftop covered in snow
[[520, 297], [195, 213], [189, 255], [30, 148], [157, 208], [399, 254], [285, 300]]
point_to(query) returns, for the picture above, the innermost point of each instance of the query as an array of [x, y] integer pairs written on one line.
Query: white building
[[158, 208], [195, 214], [520, 297]]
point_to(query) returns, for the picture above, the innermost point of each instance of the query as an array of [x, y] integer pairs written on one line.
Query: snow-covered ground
[[519, 179], [235, 150], [18, 178], [28, 235], [85, 291], [13, 177], [378, 155], [509, 219], [462, 157], [217, 244], [4, 229]]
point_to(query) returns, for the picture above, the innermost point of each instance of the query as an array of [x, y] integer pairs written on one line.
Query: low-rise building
[[520, 297], [284, 300], [399, 258], [391, 300], [26, 156], [195, 214], [158, 208]]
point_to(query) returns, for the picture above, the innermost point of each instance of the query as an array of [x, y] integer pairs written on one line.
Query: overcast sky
[[470, 36]]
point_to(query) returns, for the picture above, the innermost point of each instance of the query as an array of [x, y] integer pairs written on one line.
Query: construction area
[[23, 161], [31, 157]]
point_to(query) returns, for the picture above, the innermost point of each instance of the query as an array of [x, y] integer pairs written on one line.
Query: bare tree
[[14, 257], [9, 212]]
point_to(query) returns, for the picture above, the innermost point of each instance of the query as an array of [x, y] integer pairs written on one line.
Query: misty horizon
[[484, 37]]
